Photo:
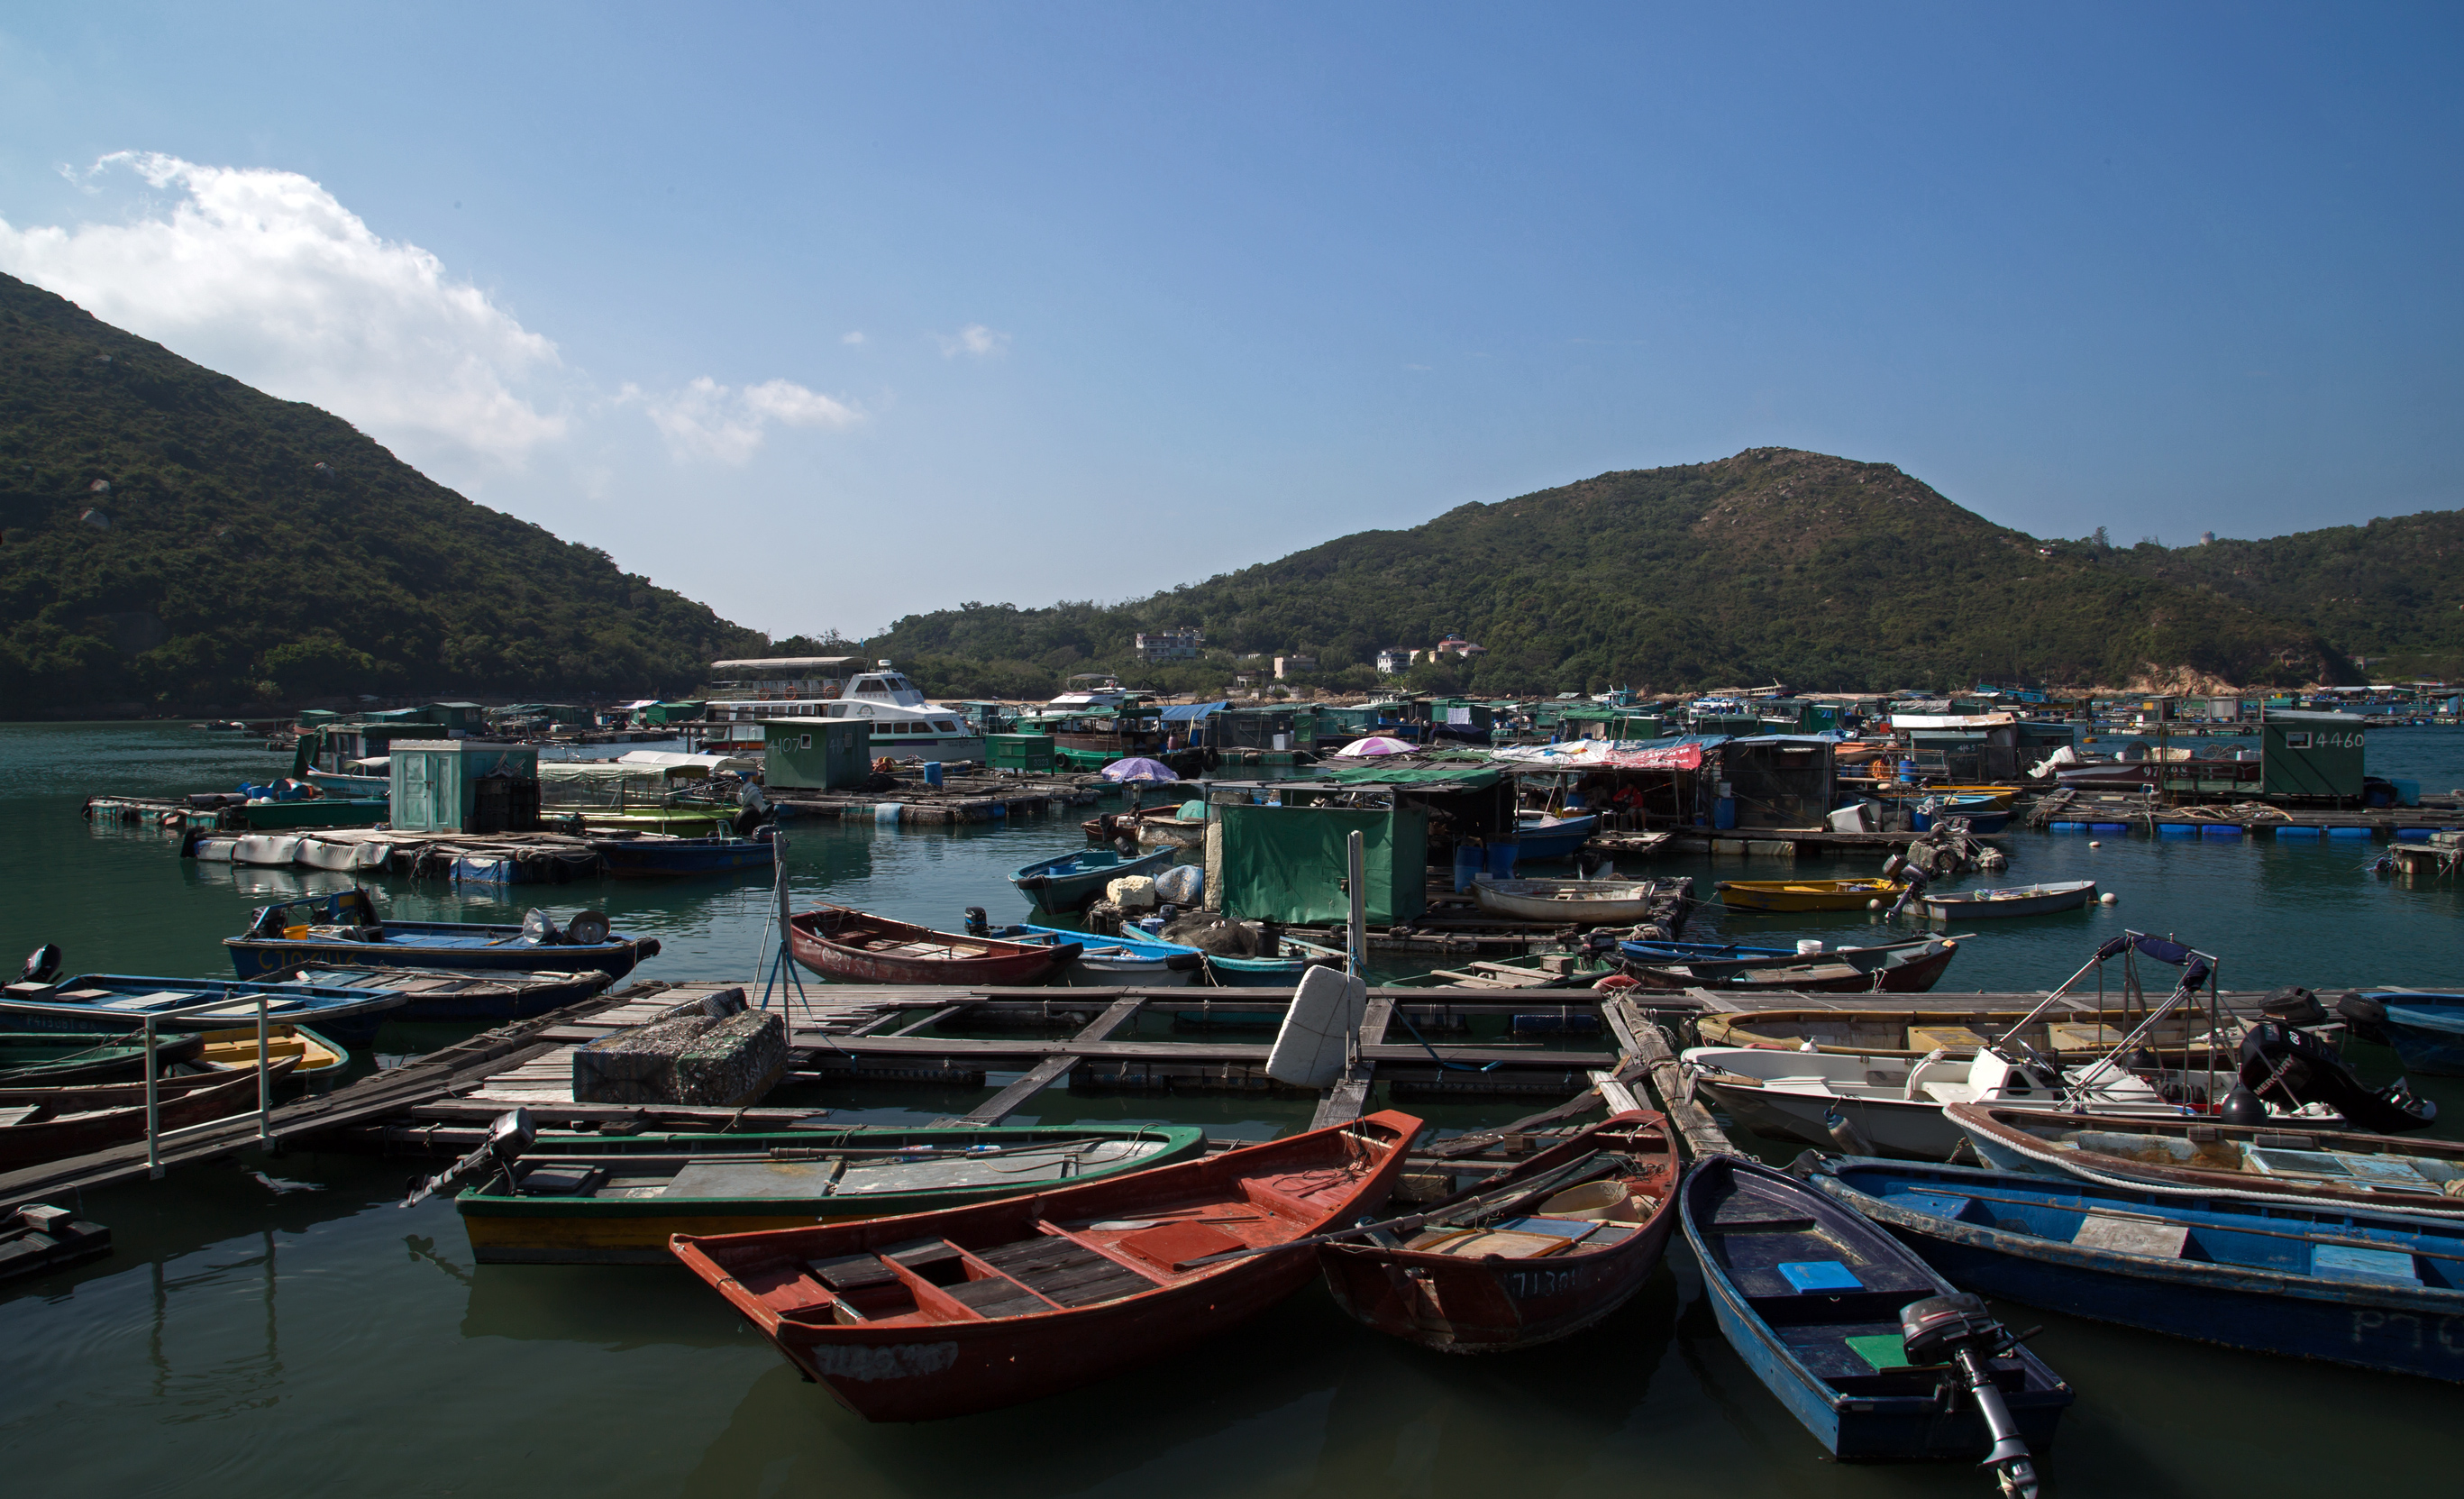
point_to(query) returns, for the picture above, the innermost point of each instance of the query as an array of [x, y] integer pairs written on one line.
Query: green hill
[[1772, 565], [253, 548], [2391, 592]]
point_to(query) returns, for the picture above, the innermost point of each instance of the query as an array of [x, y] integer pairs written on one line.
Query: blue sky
[[829, 315]]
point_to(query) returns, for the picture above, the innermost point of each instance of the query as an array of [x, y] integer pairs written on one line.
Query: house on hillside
[[1395, 661], [1171, 645], [1292, 666]]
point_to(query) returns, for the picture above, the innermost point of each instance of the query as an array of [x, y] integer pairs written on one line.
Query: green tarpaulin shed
[[1286, 863], [1454, 778]]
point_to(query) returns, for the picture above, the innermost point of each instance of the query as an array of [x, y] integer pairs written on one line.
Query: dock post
[[153, 1109], [265, 1077]]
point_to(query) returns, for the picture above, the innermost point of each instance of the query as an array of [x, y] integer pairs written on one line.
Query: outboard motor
[[2362, 1016], [42, 964], [508, 1136], [977, 923], [1957, 1329], [2291, 1067]]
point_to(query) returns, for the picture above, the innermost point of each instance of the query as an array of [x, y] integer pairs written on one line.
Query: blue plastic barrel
[[2176, 831], [2348, 832], [2284, 833], [2108, 827], [2414, 834], [932, 772], [1724, 812], [2220, 831], [1501, 860], [2066, 828], [1468, 863]]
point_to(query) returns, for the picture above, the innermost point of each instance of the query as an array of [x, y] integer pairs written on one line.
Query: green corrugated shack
[[1017, 751], [672, 713], [1286, 863], [2310, 755], [816, 754], [464, 787]]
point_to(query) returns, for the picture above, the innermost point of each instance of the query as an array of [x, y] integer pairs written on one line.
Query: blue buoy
[[2176, 831], [2108, 827], [2284, 833], [2414, 834], [2066, 828], [2220, 831], [2348, 832]]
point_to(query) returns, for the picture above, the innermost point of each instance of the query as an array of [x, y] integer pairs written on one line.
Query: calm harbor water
[[323, 1338]]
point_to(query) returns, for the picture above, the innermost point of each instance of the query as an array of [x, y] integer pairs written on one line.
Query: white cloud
[[975, 340], [264, 276], [709, 420], [851, 340]]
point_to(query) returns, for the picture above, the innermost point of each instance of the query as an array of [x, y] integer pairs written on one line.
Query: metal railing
[[155, 1134]]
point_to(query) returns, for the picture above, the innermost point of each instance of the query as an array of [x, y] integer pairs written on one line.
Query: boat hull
[[266, 958], [1821, 895], [99, 1125], [2430, 1037], [1580, 907], [1460, 1306], [2417, 1331], [1969, 906], [1816, 974], [926, 1370], [580, 1231], [994, 963], [1077, 882], [2003, 1143]]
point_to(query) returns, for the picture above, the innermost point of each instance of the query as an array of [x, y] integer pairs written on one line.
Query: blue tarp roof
[[1186, 713]]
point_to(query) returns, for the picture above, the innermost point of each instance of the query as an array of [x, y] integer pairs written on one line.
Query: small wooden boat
[[38, 1237], [617, 1199], [2427, 1031], [1293, 955], [1126, 958], [1688, 951], [1575, 902], [1893, 1105], [1153, 828], [92, 1002], [49, 1058], [1807, 894], [2001, 796], [1908, 1034], [2009, 900], [857, 947], [1527, 1256], [313, 1058], [1543, 836], [344, 929], [1073, 880], [43, 1124], [438, 994], [1809, 1294], [1893, 968], [973, 1309], [2286, 1160], [657, 855], [2345, 1285]]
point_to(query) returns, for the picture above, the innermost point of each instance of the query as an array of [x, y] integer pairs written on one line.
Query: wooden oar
[[1524, 1192]]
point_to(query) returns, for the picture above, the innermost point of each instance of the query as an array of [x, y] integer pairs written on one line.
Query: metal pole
[[1356, 876], [153, 1109], [265, 1077]]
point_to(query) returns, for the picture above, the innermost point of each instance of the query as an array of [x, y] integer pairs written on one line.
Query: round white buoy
[[2096, 843], [2109, 898], [1875, 904]]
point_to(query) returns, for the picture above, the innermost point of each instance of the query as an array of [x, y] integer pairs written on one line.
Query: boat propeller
[[1957, 1329], [42, 964]]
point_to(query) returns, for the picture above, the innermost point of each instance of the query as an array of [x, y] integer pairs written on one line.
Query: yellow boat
[[319, 1059], [2001, 795], [1959, 1033], [1807, 894]]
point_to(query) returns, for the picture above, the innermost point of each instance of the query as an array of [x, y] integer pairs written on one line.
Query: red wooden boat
[[970, 1309], [857, 947], [40, 1124], [1545, 1250]]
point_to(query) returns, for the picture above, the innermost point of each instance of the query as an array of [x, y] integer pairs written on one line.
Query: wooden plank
[[1646, 1045], [1052, 1069], [1618, 1097]]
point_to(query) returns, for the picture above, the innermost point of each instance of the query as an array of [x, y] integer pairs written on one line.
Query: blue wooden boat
[[2426, 1029], [440, 994], [1986, 812], [118, 1002], [2373, 1287], [1070, 881], [1547, 837], [344, 929], [654, 855], [1809, 1294], [1126, 958], [1694, 951], [1293, 958]]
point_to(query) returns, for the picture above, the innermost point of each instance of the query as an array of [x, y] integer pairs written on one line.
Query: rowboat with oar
[[50, 1058], [96, 1003], [858, 947], [2007, 900], [617, 1199], [344, 927], [1954, 1034], [1807, 894], [973, 1309], [1527, 1256]]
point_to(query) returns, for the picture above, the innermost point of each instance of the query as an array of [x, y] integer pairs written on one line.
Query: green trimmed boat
[[599, 1200]]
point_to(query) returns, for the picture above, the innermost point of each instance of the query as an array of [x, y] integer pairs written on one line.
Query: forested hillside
[[1772, 565], [175, 537]]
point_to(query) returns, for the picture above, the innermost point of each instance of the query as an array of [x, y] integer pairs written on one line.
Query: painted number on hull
[[1543, 1283]]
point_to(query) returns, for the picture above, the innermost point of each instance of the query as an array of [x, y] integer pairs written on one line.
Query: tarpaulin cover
[[1191, 713], [1456, 777], [1286, 863], [1682, 754]]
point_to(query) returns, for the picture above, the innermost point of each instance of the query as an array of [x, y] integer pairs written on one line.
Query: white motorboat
[[1608, 902], [905, 725], [1880, 1103]]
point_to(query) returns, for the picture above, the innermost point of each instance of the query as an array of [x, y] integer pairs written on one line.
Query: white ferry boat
[[905, 725]]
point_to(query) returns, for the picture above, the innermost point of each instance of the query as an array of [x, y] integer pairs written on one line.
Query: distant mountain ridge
[[1772, 565], [248, 548]]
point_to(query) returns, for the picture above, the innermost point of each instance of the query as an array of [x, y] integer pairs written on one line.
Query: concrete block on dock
[[690, 1059]]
